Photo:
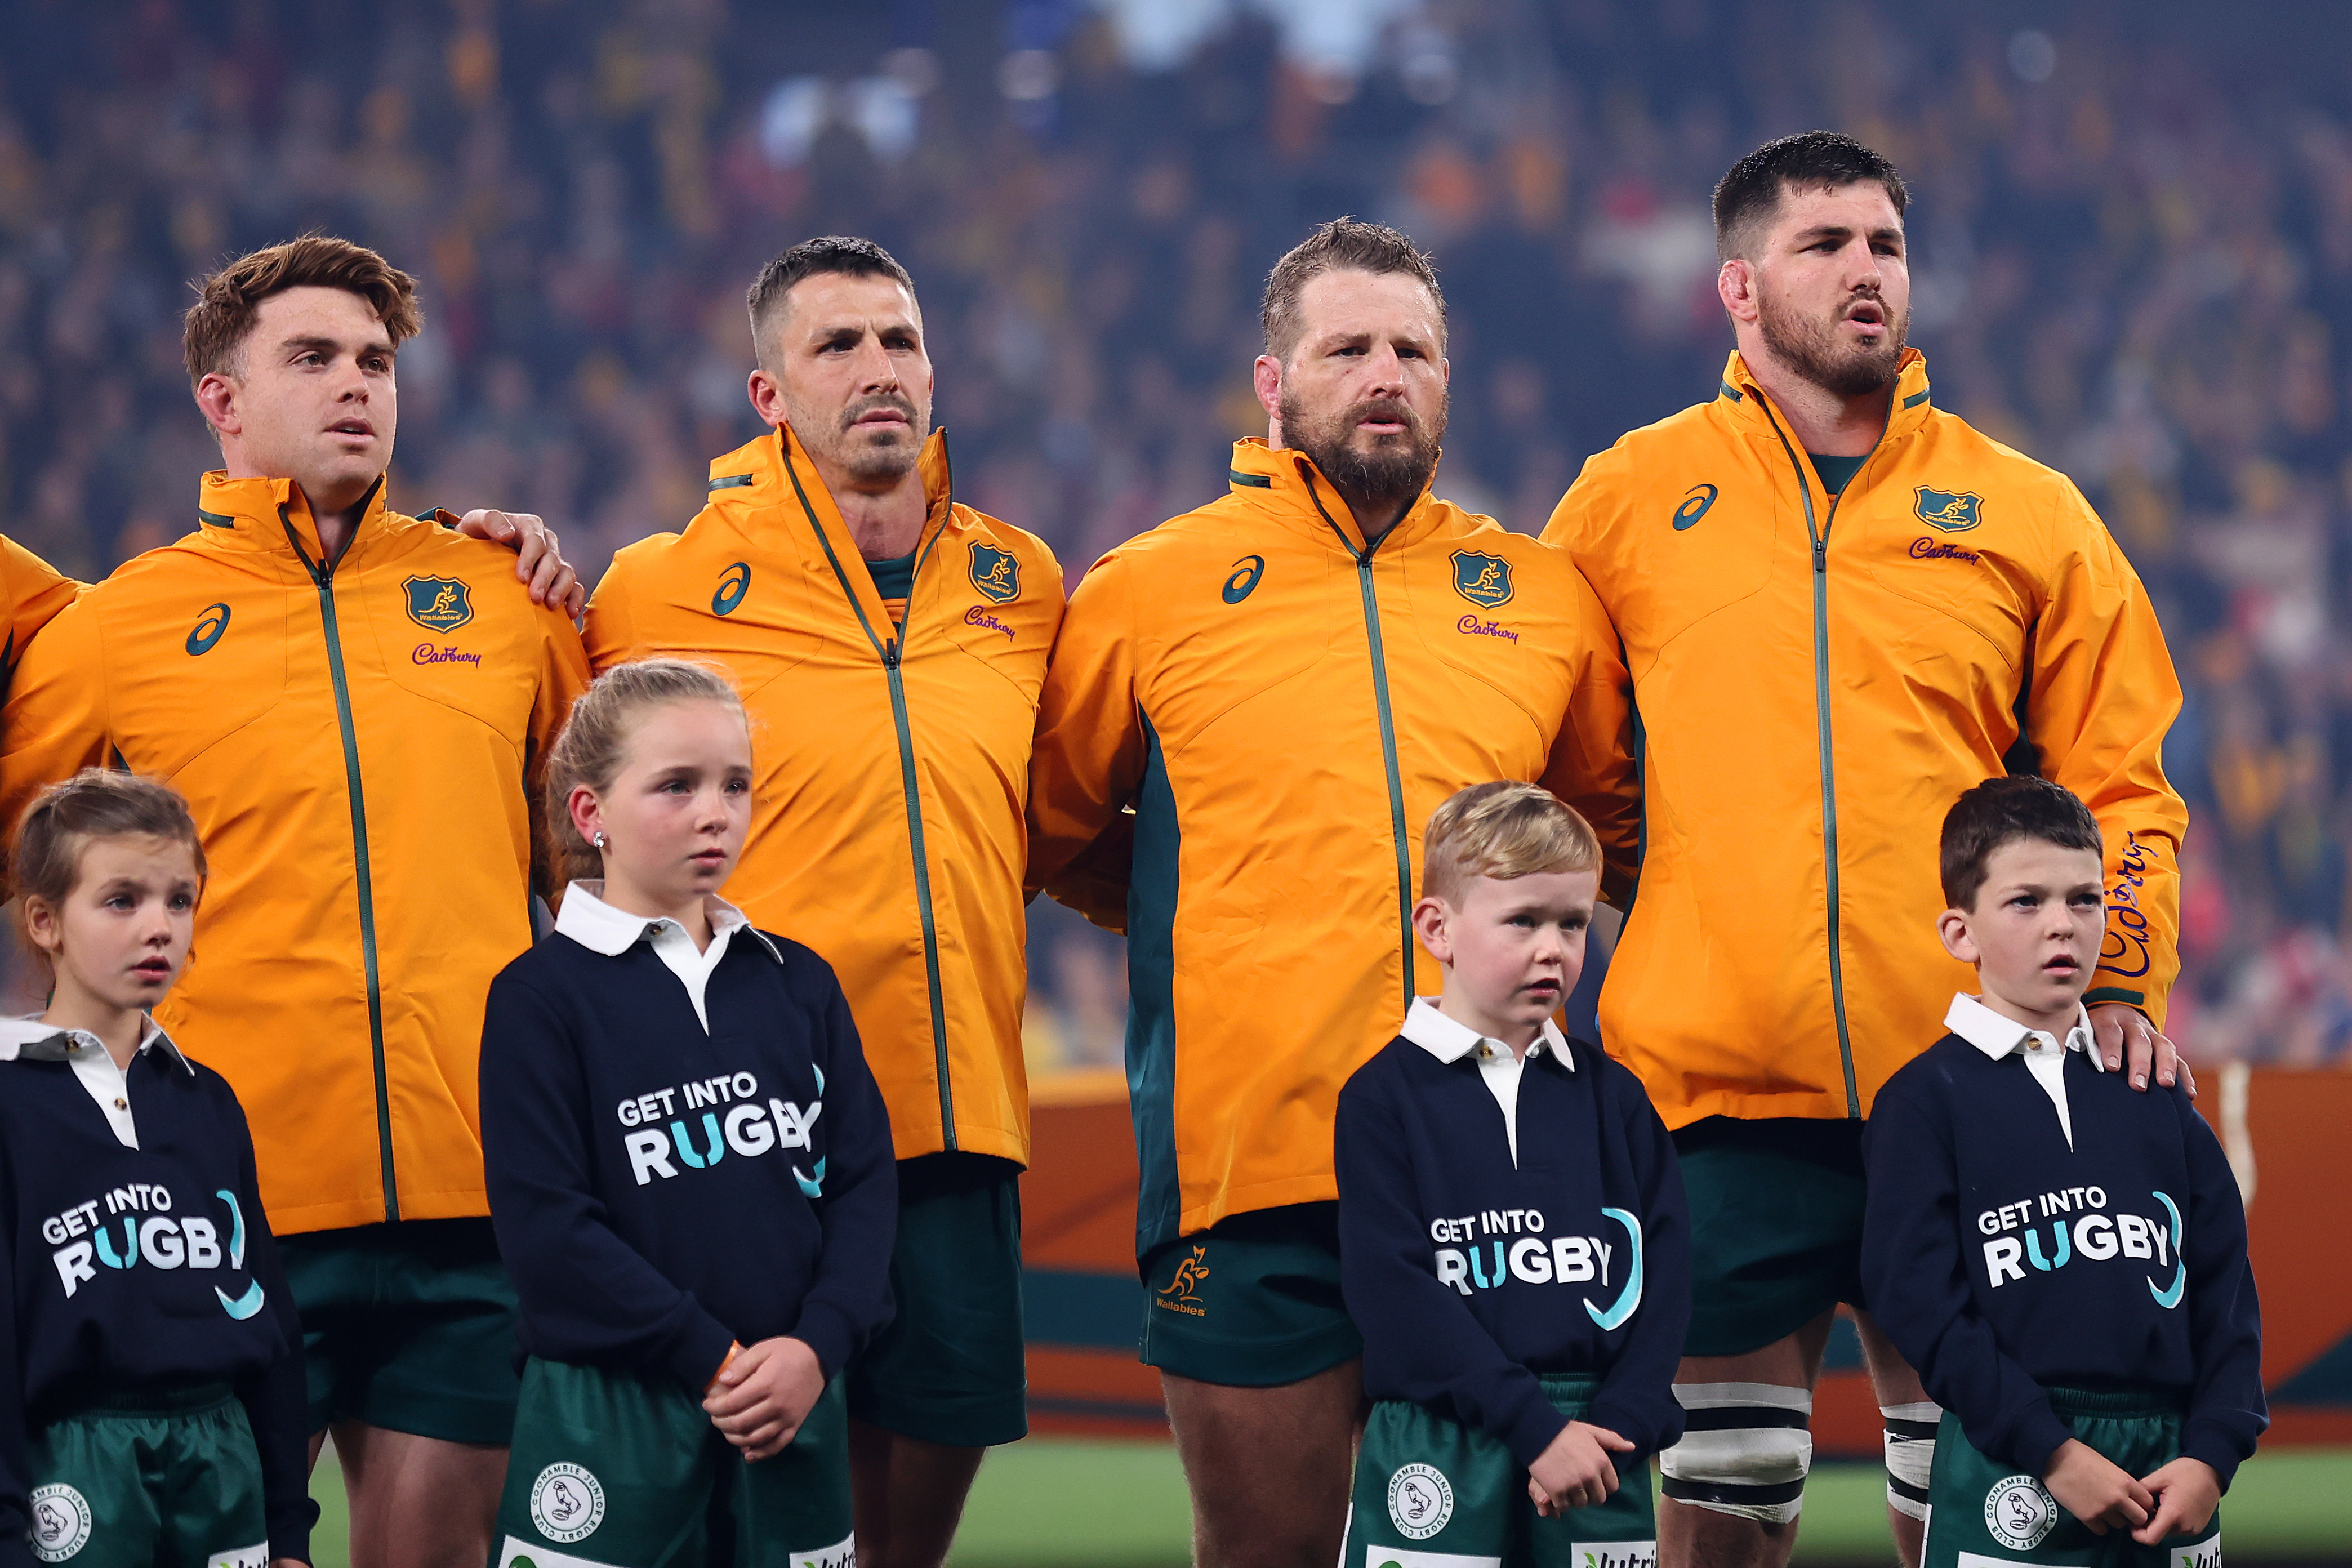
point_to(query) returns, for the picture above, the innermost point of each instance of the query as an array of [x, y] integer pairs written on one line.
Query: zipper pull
[[890, 652], [1821, 555]]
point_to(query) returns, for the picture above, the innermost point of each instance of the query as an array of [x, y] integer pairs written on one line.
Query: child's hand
[[725, 1361], [762, 1395], [2186, 1492], [1575, 1471], [2094, 1489]]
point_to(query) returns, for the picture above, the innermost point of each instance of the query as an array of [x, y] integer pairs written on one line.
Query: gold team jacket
[[31, 592], [360, 741], [1818, 677], [886, 828], [1283, 706]]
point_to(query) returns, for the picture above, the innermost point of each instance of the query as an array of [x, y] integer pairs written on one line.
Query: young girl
[[689, 1169], [156, 1411]]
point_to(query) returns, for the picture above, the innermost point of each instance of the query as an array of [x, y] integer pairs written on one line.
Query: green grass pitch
[[1063, 1503]]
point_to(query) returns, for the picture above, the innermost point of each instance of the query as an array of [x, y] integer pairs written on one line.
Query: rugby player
[[1284, 685], [355, 705], [889, 643], [1841, 606]]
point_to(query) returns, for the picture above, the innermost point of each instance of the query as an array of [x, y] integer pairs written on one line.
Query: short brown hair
[[97, 803], [1343, 244], [2004, 811], [1503, 829], [228, 300], [596, 735], [847, 255], [1747, 197]]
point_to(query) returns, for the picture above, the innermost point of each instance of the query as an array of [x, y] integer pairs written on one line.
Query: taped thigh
[[1745, 1450], [1910, 1454]]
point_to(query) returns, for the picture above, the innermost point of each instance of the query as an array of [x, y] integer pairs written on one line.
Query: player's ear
[[1266, 379], [1429, 922], [217, 399], [1735, 285], [1952, 927]]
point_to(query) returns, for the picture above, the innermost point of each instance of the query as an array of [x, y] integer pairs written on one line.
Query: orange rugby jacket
[[1817, 679], [31, 592], [886, 828], [1283, 705], [360, 741]]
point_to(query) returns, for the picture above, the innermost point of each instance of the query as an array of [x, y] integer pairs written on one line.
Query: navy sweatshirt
[[660, 1191], [139, 1268], [2002, 1262], [1469, 1277]]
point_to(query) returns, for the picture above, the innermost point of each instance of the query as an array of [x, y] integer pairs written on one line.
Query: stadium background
[[2132, 252]]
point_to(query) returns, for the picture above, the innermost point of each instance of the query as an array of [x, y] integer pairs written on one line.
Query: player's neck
[[885, 519], [335, 511], [1826, 424]]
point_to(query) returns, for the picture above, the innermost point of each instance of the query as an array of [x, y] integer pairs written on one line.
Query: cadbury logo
[[1925, 549], [426, 653], [1472, 627], [976, 617]]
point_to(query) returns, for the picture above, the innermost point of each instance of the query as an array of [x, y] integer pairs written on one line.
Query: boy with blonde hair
[[1521, 1280]]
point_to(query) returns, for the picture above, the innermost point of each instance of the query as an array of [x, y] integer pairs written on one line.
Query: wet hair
[[1343, 244], [1747, 197], [2002, 811], [66, 819], [846, 254], [595, 738], [1504, 830], [228, 302]]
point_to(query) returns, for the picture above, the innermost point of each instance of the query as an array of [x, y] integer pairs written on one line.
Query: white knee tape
[[1910, 1454], [1745, 1450]]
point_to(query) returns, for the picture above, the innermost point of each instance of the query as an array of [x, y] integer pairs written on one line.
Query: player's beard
[[1809, 346], [882, 455], [1378, 483]]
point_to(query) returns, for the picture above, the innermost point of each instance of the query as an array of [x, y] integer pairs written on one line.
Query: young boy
[[2064, 1260], [1512, 1233], [152, 1409]]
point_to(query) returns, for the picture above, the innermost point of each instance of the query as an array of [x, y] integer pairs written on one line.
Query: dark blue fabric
[[125, 1274], [1994, 1302], [618, 1264], [1421, 1147]]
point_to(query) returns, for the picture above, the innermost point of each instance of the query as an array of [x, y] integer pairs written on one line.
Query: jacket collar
[[2000, 1038], [597, 926], [275, 515], [28, 1039], [1449, 1041], [1749, 402], [1290, 484]]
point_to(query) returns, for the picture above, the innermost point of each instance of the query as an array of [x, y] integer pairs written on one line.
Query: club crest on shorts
[[995, 574], [2020, 1511], [1954, 512], [1421, 1499], [567, 1504], [439, 604], [61, 1521], [1484, 580]]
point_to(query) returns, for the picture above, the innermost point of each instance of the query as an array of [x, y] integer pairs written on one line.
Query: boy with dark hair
[[1512, 1237], [2063, 1259]]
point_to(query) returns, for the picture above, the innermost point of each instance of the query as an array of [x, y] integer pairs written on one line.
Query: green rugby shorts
[[1776, 1226], [1252, 1302], [170, 1479]]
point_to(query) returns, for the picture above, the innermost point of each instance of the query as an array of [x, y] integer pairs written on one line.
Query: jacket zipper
[[1363, 559], [323, 577], [892, 652], [1819, 534]]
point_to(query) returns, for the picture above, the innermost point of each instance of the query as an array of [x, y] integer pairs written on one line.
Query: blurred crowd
[[2132, 241]]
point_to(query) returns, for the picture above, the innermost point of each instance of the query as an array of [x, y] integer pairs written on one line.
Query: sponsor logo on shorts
[[1421, 1499], [61, 1521], [1614, 1555], [1406, 1557], [1182, 1294], [516, 1553], [2020, 1511], [567, 1504], [439, 604], [2204, 1554], [254, 1556], [841, 1553]]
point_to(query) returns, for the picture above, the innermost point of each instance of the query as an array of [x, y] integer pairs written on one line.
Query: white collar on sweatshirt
[[2000, 1038], [597, 926], [1498, 1067], [28, 1039]]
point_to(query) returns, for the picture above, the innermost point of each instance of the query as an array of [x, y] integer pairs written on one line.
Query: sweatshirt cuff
[[2040, 1435], [1625, 1418], [700, 1350], [2215, 1443], [291, 1536], [1529, 1429], [827, 1331]]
